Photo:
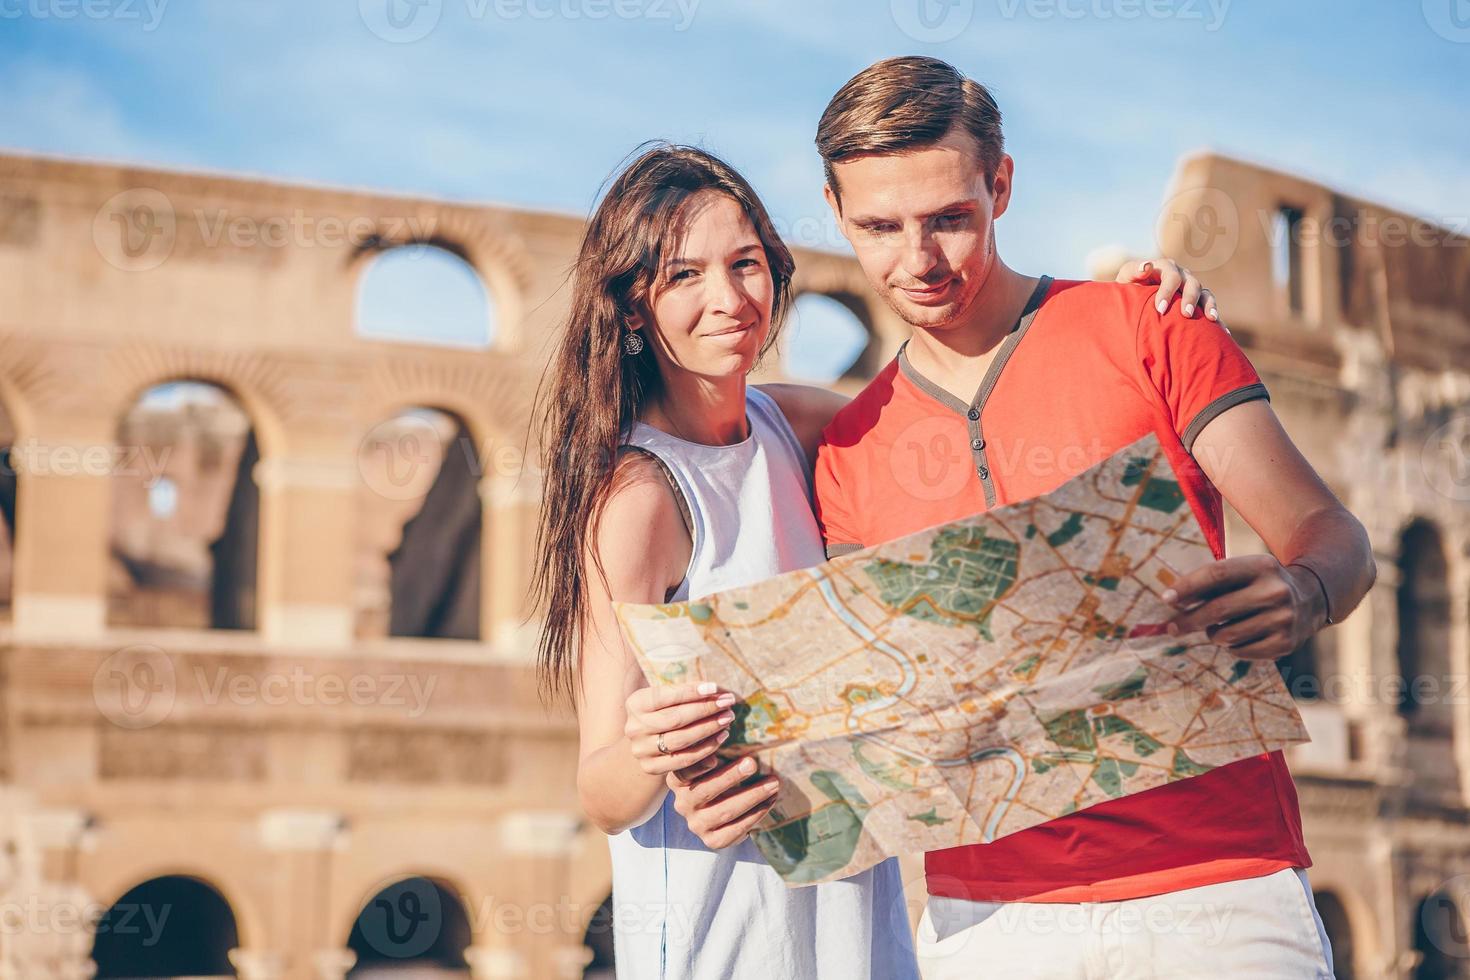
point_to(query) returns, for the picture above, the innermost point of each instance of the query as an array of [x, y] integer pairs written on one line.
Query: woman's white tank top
[[680, 910]]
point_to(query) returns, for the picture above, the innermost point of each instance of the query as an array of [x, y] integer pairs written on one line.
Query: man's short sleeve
[[832, 507], [1195, 366]]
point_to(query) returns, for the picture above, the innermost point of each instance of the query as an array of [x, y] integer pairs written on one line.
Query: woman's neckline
[[749, 435]]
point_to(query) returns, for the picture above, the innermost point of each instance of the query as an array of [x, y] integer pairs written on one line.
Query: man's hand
[[1253, 604], [1172, 278], [713, 800]]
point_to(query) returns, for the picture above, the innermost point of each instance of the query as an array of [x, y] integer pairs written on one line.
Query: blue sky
[[532, 102]]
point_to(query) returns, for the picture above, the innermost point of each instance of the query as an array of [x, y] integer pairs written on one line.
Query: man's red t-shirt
[[1089, 369]]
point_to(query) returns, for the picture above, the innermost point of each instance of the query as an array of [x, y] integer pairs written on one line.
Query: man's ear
[[1000, 185], [835, 204]]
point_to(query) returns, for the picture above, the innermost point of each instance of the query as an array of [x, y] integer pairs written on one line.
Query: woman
[[668, 478]]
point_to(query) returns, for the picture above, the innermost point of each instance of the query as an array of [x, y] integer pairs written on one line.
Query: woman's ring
[[661, 746]]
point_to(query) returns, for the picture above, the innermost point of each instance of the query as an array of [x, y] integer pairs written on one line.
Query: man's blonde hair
[[903, 104]]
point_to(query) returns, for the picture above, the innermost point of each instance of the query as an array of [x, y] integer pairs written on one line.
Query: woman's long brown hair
[[592, 392]]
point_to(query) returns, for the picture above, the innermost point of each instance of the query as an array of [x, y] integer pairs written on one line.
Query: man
[[1063, 375], [1009, 386]]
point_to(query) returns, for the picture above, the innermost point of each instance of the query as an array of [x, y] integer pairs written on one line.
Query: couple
[[668, 478]]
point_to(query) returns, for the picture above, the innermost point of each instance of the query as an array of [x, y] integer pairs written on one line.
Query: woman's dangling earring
[[632, 343]]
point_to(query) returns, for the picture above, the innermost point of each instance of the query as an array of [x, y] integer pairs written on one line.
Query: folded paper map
[[976, 678]]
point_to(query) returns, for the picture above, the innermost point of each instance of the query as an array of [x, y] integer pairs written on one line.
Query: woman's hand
[[1172, 278], [722, 802], [671, 728]]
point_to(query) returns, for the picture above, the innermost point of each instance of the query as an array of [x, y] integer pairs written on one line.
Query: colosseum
[[265, 704]]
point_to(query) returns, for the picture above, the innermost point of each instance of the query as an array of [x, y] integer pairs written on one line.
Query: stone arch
[[1301, 671], [598, 939], [1440, 937], [421, 529], [837, 322], [125, 877], [167, 925], [499, 260], [1423, 648], [10, 435], [262, 389], [1338, 923], [412, 920], [20, 378], [1336, 875], [496, 410], [185, 472], [426, 292]]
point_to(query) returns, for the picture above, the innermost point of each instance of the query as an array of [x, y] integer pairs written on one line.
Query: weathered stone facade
[[303, 762], [1358, 318]]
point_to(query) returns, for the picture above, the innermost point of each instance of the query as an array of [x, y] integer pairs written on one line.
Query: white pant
[[1264, 928]]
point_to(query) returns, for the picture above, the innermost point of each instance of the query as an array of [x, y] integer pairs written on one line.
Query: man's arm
[[1320, 566]]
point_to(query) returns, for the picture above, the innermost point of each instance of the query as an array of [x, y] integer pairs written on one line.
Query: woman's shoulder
[[641, 516], [807, 408]]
